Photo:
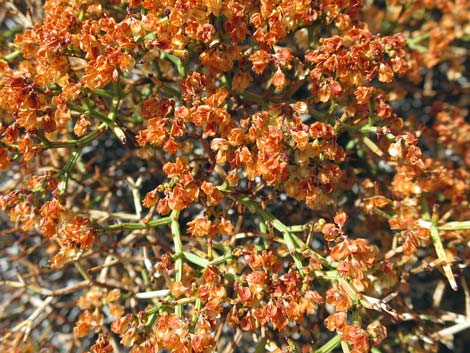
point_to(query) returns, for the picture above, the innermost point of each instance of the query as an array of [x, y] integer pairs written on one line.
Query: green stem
[[118, 9], [261, 345], [170, 91], [197, 308], [345, 347], [202, 262], [118, 132], [438, 245], [382, 213], [12, 56], [298, 228], [329, 346], [81, 15], [195, 259], [66, 171], [103, 93], [288, 238], [292, 241], [412, 42], [350, 290], [176, 232], [81, 142], [116, 101], [464, 225], [374, 129], [175, 60], [372, 146], [151, 320], [134, 226], [90, 112]]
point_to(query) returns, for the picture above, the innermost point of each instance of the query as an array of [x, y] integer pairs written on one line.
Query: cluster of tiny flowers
[[192, 176]]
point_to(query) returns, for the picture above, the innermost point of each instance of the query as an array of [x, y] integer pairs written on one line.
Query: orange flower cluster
[[233, 175], [266, 297]]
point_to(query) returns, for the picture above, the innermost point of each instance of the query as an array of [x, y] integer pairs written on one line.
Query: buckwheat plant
[[234, 176]]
